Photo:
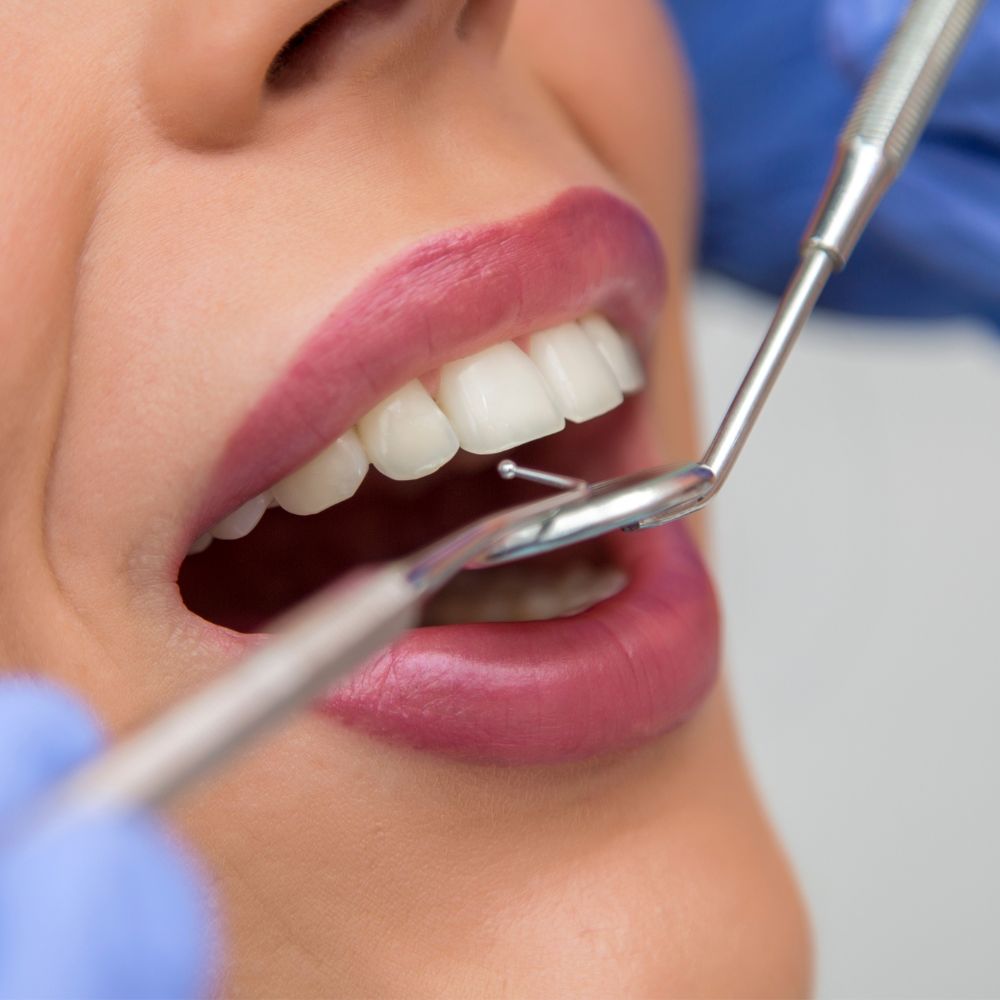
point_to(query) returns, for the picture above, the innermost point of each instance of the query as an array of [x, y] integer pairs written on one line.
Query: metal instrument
[[313, 646], [881, 133], [330, 634]]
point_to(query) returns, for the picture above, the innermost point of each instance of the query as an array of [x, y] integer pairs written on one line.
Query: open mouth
[[519, 353], [398, 481]]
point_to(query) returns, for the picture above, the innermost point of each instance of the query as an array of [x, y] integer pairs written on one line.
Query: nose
[[208, 64]]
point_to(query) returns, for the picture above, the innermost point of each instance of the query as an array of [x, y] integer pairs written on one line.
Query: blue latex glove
[[106, 908], [775, 80]]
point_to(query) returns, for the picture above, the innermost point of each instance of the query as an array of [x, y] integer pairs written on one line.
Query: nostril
[[287, 66], [305, 53]]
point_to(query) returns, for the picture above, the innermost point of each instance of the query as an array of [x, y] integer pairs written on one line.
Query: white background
[[858, 554]]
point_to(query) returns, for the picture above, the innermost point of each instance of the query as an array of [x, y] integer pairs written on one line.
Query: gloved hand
[[108, 907], [775, 81]]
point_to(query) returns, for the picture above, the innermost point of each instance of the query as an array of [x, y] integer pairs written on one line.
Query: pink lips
[[628, 669], [623, 672]]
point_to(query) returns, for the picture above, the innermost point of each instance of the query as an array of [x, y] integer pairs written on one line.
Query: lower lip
[[622, 673]]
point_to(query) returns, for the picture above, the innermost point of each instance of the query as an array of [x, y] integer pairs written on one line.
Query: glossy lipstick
[[606, 680], [626, 670], [453, 295]]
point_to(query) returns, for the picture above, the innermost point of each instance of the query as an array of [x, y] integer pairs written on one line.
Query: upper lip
[[446, 298]]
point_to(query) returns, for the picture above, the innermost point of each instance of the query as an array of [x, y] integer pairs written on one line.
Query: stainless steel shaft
[[792, 314], [882, 131], [316, 645]]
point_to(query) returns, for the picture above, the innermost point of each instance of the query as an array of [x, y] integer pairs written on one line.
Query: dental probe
[[875, 144], [323, 639], [315, 645]]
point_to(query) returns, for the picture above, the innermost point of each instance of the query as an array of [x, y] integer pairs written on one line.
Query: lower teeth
[[523, 593]]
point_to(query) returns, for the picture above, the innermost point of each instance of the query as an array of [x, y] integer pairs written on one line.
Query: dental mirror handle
[[314, 646], [881, 133], [888, 120]]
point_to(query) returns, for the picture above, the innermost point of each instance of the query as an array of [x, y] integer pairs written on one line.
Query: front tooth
[[617, 351], [407, 436], [538, 602], [583, 384], [582, 590], [243, 520], [333, 475], [497, 399]]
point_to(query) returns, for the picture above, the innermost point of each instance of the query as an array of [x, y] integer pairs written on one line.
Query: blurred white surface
[[858, 554]]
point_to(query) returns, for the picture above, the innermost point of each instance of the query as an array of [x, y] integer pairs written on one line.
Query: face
[[320, 267]]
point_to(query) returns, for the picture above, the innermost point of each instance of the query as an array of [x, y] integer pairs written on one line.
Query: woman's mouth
[[500, 398], [522, 338]]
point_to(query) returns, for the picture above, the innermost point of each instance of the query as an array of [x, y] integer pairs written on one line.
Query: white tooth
[[333, 475], [583, 591], [618, 352], [581, 381], [497, 399], [539, 602], [407, 436], [243, 520], [201, 543]]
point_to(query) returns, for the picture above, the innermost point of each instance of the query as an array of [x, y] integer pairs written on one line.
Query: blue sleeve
[[772, 95]]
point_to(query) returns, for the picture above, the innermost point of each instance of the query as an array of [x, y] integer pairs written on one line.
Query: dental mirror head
[[642, 500]]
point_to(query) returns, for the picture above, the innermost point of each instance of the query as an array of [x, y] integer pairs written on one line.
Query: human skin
[[171, 225]]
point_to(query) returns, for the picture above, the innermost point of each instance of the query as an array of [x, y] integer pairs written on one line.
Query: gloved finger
[[857, 31], [943, 216], [44, 734], [103, 908]]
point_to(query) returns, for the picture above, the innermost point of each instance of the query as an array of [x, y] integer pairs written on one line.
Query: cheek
[[621, 78], [49, 154], [631, 101]]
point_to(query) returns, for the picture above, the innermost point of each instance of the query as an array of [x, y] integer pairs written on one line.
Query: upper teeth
[[486, 403], [331, 476]]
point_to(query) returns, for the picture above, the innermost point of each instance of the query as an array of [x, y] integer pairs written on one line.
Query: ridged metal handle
[[900, 95], [888, 119], [885, 125]]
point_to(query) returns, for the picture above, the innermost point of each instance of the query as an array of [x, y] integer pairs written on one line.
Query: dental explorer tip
[[509, 469]]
